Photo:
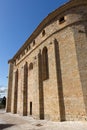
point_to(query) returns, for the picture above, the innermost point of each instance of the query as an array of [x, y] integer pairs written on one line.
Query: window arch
[[31, 66], [45, 67]]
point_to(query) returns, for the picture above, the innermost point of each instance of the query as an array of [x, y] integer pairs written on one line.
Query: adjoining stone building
[[48, 75]]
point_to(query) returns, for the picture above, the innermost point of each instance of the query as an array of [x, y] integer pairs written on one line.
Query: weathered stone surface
[[61, 92]]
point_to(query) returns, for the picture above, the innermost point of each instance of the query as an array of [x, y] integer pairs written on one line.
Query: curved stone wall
[[51, 67]]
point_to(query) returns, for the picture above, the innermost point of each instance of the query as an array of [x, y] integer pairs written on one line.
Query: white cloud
[[3, 91]]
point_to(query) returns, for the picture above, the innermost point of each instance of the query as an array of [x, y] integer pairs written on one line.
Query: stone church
[[48, 75]]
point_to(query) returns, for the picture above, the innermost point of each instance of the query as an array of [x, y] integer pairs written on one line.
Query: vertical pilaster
[[25, 86], [10, 81], [41, 94], [59, 82], [15, 92]]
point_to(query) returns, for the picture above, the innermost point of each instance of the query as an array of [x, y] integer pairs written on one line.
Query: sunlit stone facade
[[48, 75]]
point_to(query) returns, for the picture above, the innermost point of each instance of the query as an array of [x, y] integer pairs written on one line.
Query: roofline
[[46, 20]]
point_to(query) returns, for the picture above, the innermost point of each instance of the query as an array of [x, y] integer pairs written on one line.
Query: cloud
[[3, 91], [3, 87]]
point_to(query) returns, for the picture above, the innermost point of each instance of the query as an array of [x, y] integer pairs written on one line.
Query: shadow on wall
[[15, 92], [59, 82], [41, 94], [25, 87], [81, 51], [4, 126]]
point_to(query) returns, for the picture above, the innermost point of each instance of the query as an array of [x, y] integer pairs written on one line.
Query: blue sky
[[18, 19]]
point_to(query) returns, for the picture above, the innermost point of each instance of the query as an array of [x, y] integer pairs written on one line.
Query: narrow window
[[45, 68], [31, 66], [23, 53], [19, 57], [27, 49], [15, 62], [61, 20], [30, 108], [33, 42], [43, 33]]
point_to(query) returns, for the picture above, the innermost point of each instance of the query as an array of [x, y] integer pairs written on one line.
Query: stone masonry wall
[[63, 95]]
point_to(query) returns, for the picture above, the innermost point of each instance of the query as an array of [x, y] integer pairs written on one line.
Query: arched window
[[45, 67], [43, 33], [31, 66]]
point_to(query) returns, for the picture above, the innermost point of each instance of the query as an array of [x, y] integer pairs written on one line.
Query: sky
[[18, 20]]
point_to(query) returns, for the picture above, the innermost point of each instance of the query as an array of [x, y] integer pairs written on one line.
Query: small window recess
[[31, 66], [23, 53], [62, 20], [43, 33], [19, 57], [29, 47], [33, 42], [30, 108], [15, 62]]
